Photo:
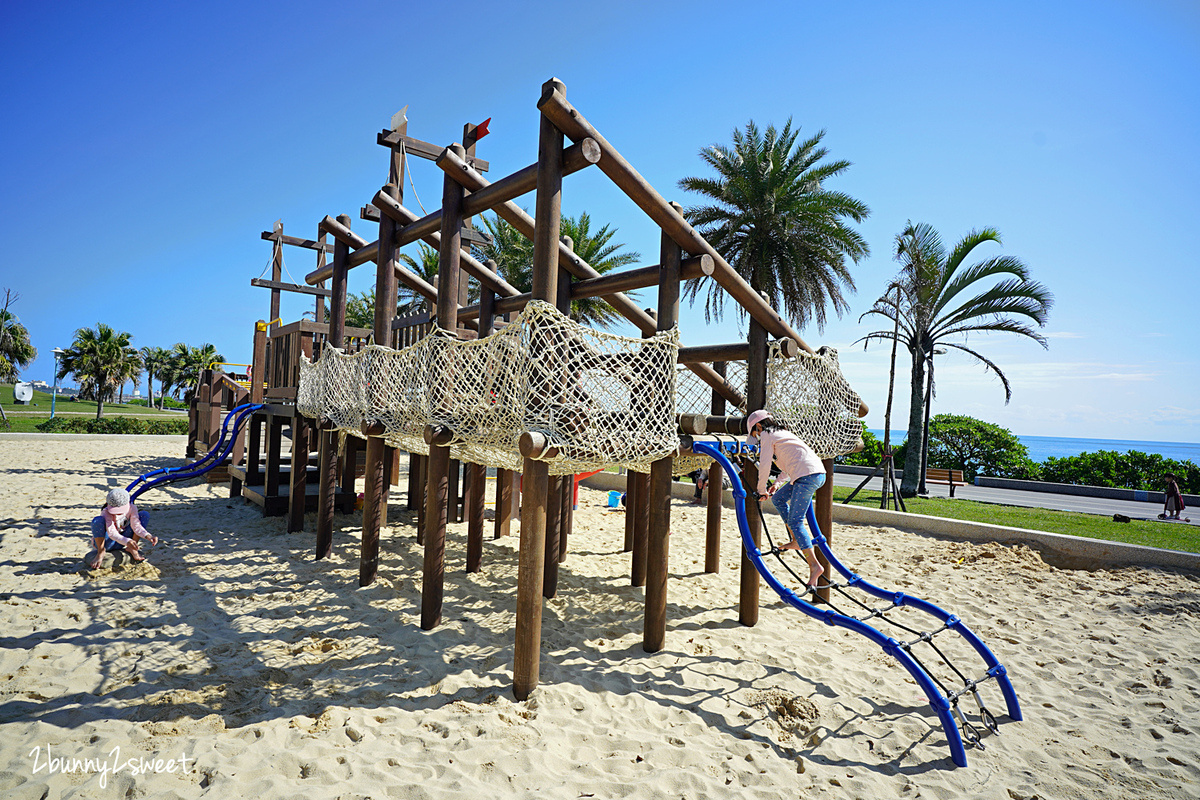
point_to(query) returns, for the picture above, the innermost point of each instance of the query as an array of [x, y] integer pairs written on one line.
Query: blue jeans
[[98, 531], [792, 501]]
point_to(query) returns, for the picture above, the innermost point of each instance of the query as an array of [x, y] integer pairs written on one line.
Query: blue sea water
[[1043, 447]]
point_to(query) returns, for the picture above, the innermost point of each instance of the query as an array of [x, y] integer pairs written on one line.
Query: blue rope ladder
[[943, 700]]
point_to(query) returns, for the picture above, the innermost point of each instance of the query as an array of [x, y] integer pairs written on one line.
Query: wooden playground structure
[[319, 475]]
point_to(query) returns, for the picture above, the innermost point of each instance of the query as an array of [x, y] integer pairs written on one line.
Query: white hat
[[117, 497], [756, 417], [752, 420]]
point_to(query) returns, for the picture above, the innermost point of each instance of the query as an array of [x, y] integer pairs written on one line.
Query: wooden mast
[[654, 629], [548, 209], [438, 486]]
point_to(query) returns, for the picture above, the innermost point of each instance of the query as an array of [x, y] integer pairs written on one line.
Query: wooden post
[[716, 493], [375, 488], [639, 506], [504, 502], [756, 397], [274, 445], [254, 449], [328, 458], [413, 487], [258, 369], [568, 516], [276, 274], [437, 488], [824, 508], [654, 628], [631, 485], [547, 220], [298, 490], [487, 306], [327, 464], [455, 491], [554, 501], [423, 496], [556, 546], [319, 311], [641, 528]]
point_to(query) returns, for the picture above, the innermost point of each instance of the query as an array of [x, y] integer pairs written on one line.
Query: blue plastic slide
[[944, 701], [215, 456]]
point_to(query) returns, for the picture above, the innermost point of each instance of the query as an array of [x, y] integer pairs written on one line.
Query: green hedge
[[131, 425]]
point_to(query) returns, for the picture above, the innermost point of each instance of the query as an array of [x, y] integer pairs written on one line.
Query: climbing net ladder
[[863, 618]]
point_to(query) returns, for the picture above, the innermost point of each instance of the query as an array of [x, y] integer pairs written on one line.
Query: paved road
[[1014, 497]]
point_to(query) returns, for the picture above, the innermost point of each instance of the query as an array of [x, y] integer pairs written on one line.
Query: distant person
[[108, 529], [801, 473], [1173, 504]]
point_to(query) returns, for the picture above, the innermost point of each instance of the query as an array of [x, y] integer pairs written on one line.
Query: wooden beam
[[290, 287], [296, 241], [575, 158], [736, 351], [421, 149], [612, 283]]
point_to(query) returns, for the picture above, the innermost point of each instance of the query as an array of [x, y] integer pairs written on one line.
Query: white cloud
[[1064, 335]]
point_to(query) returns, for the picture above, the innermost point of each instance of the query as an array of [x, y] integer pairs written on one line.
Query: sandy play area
[[233, 665]]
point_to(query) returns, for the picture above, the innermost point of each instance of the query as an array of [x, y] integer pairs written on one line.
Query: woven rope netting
[[811, 397], [808, 394], [601, 399]]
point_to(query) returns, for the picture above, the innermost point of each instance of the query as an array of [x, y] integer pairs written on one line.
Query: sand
[[246, 669]]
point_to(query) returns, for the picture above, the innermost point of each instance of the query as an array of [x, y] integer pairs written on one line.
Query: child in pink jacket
[[109, 529], [801, 474]]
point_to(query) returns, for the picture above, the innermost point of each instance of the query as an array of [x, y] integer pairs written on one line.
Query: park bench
[[951, 477]]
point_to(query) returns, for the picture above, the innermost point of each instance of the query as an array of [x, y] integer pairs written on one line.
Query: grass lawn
[[24, 419], [1165, 535]]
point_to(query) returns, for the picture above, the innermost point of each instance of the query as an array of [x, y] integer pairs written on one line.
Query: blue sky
[[147, 146]]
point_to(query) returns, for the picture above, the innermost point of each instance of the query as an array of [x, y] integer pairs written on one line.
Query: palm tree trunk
[[925, 429], [915, 443], [99, 406]]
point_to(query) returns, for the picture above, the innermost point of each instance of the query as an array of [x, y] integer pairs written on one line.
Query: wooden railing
[[288, 342]]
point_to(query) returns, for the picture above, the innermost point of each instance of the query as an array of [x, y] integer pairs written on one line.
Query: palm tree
[[776, 224], [941, 299], [131, 370], [154, 359], [513, 254], [16, 351], [360, 308], [426, 266], [186, 362], [99, 358]]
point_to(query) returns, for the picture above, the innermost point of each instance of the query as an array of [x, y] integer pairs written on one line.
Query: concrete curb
[[93, 437], [1068, 552]]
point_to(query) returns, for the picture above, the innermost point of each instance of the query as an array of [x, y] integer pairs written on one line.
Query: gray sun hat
[[116, 498]]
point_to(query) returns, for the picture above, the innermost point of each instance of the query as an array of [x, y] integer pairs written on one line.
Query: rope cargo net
[[808, 394], [811, 397], [600, 399]]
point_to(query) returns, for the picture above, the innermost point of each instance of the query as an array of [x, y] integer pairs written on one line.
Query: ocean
[[1043, 447]]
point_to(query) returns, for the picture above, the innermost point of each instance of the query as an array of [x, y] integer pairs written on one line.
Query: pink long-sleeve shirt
[[793, 455], [114, 524]]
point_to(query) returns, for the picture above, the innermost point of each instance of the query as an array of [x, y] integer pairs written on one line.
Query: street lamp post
[[58, 351]]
